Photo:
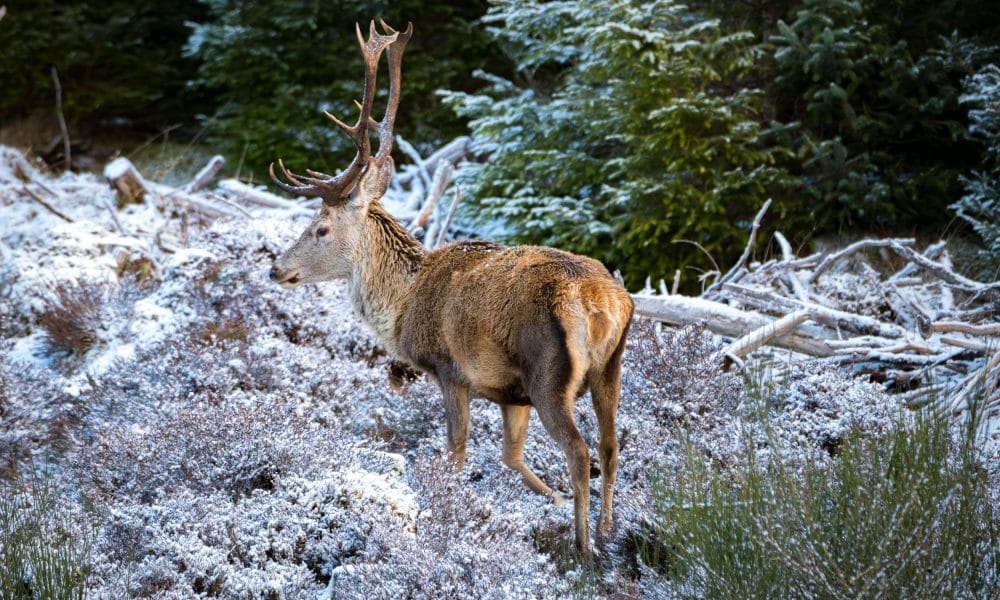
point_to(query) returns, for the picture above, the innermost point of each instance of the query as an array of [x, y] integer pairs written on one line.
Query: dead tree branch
[[67, 155], [746, 251], [34, 196]]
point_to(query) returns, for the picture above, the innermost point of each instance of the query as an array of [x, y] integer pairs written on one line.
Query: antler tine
[[334, 189], [385, 126], [310, 191]]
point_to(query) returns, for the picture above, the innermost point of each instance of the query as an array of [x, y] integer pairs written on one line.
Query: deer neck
[[385, 265]]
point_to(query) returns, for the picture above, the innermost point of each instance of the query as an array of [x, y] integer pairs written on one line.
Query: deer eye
[[322, 231]]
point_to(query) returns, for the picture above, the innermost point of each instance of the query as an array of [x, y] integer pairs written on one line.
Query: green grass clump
[[42, 554], [907, 515]]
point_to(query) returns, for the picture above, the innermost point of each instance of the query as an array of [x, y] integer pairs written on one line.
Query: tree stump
[[124, 177]]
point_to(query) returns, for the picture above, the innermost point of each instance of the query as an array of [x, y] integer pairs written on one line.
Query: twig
[[942, 272], [959, 327], [449, 217], [831, 259], [45, 204], [114, 216], [746, 251], [711, 259], [62, 121]]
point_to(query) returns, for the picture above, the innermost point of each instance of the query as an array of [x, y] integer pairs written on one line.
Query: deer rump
[[499, 319]]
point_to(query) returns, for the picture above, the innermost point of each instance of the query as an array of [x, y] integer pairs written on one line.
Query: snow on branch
[[922, 327]]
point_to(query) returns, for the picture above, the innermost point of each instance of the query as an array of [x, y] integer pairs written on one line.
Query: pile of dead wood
[[923, 329], [415, 197]]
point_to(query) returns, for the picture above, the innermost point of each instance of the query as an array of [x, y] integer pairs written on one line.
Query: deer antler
[[385, 126], [333, 189]]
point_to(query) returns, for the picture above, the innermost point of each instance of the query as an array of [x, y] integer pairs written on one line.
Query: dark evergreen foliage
[[624, 128], [118, 62], [274, 66], [871, 97]]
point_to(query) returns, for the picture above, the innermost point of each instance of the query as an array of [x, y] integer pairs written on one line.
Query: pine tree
[[118, 62], [980, 205], [628, 130], [869, 94]]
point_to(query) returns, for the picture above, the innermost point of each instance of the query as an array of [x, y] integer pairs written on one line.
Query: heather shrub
[[282, 542], [229, 448], [458, 548], [37, 415], [78, 316], [678, 371]]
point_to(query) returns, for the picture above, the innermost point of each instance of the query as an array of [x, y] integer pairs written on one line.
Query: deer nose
[[274, 273]]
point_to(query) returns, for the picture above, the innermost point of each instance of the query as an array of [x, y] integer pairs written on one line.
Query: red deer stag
[[522, 326]]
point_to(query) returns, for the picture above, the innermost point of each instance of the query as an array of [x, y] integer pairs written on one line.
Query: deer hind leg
[[605, 389], [515, 428], [553, 379], [456, 412]]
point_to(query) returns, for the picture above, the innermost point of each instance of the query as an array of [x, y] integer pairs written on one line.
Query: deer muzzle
[[286, 278]]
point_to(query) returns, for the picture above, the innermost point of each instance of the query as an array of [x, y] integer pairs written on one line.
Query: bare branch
[[831, 259], [729, 321], [451, 215], [757, 338], [942, 272], [67, 156], [746, 251], [34, 196], [441, 178], [261, 197], [960, 327]]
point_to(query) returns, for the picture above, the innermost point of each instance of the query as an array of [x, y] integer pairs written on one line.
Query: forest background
[[646, 134]]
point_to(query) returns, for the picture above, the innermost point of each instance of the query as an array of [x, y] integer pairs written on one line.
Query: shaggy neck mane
[[389, 259]]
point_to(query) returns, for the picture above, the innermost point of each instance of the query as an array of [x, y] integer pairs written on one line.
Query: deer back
[[484, 308]]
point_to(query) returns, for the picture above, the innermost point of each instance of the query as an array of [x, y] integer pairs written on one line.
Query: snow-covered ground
[[226, 437]]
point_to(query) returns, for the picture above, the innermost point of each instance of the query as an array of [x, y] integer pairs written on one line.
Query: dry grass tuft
[[72, 317]]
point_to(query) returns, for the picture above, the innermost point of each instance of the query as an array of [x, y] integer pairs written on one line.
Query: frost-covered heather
[[229, 438]]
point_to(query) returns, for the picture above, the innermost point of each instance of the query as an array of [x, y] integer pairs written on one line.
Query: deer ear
[[374, 183]]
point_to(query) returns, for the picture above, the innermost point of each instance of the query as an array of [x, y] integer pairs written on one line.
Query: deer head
[[323, 251]]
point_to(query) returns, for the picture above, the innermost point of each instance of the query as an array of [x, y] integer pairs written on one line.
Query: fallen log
[[729, 321]]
